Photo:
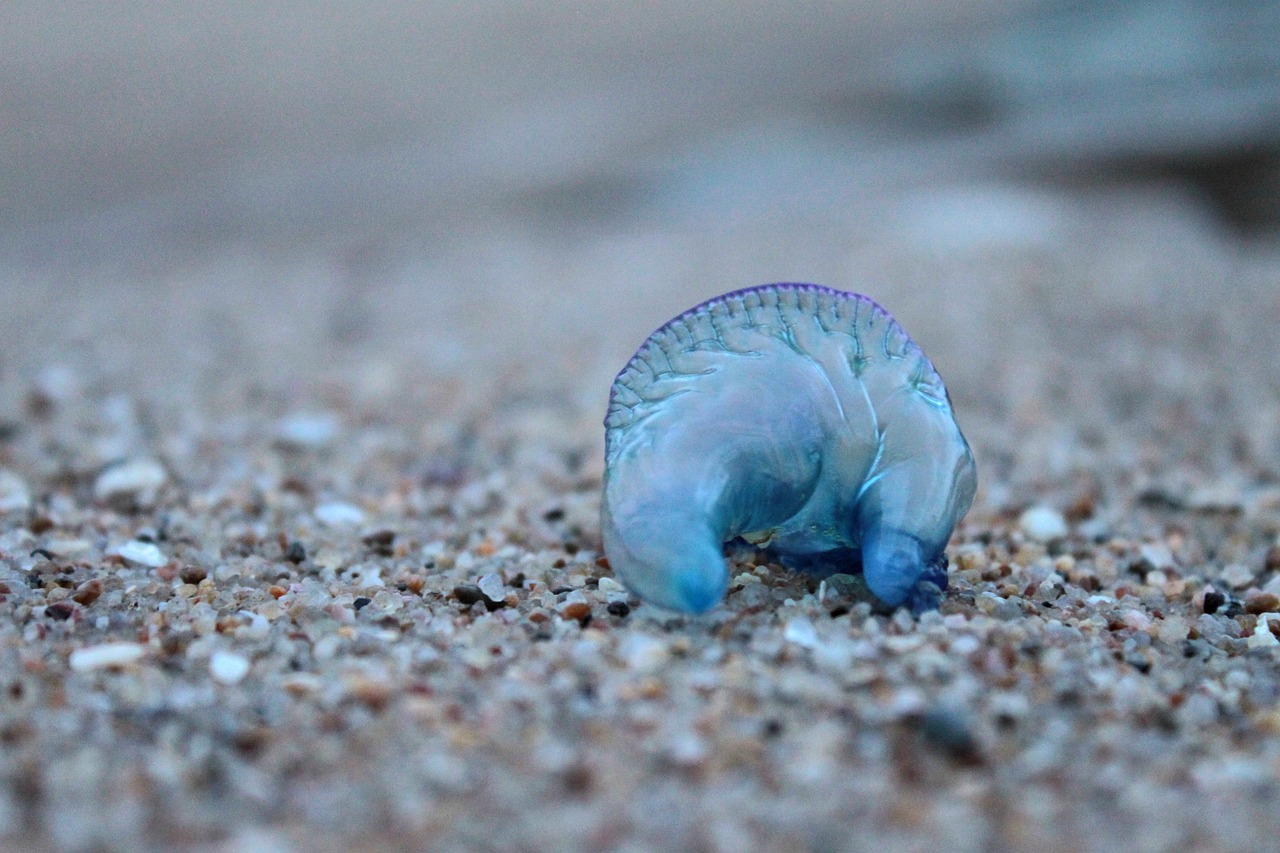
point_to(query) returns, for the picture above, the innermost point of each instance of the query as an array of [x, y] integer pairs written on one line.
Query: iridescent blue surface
[[802, 419]]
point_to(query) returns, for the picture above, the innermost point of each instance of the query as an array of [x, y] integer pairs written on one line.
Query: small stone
[[295, 553], [949, 732], [307, 431], [468, 593], [228, 667], [60, 611], [1257, 601], [1157, 554], [618, 608], [1237, 575], [192, 574], [106, 655], [361, 602], [642, 652], [375, 693], [137, 481], [1213, 600], [492, 587], [381, 542], [801, 632], [87, 593], [142, 553], [1262, 637], [1272, 561], [14, 495], [609, 586], [1043, 524], [339, 514], [575, 610]]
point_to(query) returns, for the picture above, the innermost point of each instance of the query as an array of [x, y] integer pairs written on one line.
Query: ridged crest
[[743, 323]]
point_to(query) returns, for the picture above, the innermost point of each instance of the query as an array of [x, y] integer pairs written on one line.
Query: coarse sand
[[300, 552]]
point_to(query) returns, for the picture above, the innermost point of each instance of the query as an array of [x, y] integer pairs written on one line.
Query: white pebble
[[492, 586], [307, 431], [142, 553], [1157, 554], [642, 652], [1043, 523], [1262, 637], [339, 513], [609, 586], [14, 496], [801, 632], [105, 655], [1237, 575], [138, 479], [228, 667]]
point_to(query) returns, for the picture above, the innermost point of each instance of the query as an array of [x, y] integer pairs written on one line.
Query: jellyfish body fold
[[800, 418]]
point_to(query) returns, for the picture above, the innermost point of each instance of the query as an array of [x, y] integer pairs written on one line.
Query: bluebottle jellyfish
[[799, 418]]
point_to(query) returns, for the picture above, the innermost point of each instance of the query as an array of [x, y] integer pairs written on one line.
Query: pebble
[[609, 586], [1043, 524], [308, 431], [642, 652], [14, 495], [492, 587], [142, 553], [576, 610], [1237, 575], [340, 514], [88, 592], [951, 733], [1262, 637], [801, 632], [1212, 601], [1157, 554], [138, 480], [1257, 601], [228, 667], [106, 655], [468, 593]]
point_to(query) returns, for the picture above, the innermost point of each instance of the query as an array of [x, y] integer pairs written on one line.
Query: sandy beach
[[299, 534]]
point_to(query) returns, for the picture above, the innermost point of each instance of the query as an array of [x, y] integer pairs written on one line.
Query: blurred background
[[1074, 207]]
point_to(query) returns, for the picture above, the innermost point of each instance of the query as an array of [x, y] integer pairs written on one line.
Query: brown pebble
[[381, 542], [374, 693], [1258, 601], [415, 584], [1081, 508], [277, 591], [192, 574], [167, 572], [87, 593], [40, 524], [577, 610], [60, 611], [1272, 560], [538, 616]]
